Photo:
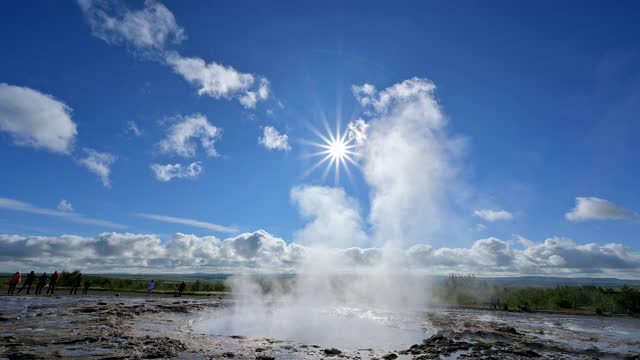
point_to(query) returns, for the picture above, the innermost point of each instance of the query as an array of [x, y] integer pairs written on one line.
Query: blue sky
[[543, 100]]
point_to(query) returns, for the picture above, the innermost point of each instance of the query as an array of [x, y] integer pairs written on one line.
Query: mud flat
[[108, 327]]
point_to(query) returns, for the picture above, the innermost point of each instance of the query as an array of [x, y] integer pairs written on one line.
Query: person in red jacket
[[52, 282], [15, 280]]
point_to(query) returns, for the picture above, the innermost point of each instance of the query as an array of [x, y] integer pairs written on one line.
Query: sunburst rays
[[336, 151]]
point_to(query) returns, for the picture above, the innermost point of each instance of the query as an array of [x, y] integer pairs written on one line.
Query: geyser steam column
[[341, 292]]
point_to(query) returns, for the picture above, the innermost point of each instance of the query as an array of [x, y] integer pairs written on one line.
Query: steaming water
[[343, 326], [351, 327]]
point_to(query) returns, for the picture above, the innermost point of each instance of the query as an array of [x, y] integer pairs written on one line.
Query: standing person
[[42, 282], [15, 280], [52, 282], [87, 285], [28, 282], [152, 285], [181, 288], [76, 284]]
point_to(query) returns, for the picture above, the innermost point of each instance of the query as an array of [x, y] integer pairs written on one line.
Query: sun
[[336, 151]]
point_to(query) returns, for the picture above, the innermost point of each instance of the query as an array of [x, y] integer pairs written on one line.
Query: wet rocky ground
[[105, 327]]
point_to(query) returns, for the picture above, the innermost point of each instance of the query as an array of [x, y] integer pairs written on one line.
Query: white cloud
[[409, 161], [357, 131], [124, 252], [189, 222], [335, 217], [493, 215], [593, 208], [170, 171], [133, 129], [220, 81], [149, 28], [16, 205], [182, 136], [273, 140], [99, 164], [412, 98], [36, 120], [64, 205]]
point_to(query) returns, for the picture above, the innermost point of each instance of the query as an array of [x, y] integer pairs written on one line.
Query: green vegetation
[[455, 290], [467, 290], [138, 283]]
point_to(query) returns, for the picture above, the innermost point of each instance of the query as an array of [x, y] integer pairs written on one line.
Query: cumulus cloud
[[189, 222], [108, 252], [357, 131], [36, 120], [272, 140], [99, 164], [593, 208], [220, 81], [408, 159], [65, 205], [493, 215], [64, 213], [260, 250], [149, 28], [186, 131], [334, 217], [169, 172]]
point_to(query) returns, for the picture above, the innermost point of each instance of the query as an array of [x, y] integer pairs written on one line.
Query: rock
[[434, 338], [264, 357], [22, 356], [390, 356], [229, 355], [508, 329], [527, 353], [332, 352]]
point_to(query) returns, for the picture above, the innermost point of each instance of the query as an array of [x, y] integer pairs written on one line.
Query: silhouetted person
[[181, 288], [152, 285], [42, 282], [52, 282], [15, 280], [87, 285], [28, 282], [76, 284]]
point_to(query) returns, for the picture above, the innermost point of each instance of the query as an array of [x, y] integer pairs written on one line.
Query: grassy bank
[[455, 290], [468, 290]]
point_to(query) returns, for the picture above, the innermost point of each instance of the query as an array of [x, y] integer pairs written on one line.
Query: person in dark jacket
[[76, 284], [52, 282], [87, 285], [15, 280], [28, 282], [42, 282], [181, 288]]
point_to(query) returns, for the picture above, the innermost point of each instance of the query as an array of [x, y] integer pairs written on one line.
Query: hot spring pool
[[342, 327]]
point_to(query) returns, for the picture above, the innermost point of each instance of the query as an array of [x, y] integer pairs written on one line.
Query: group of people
[[16, 279], [76, 283]]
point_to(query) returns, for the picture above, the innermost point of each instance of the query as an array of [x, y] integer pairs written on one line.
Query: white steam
[[407, 159]]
